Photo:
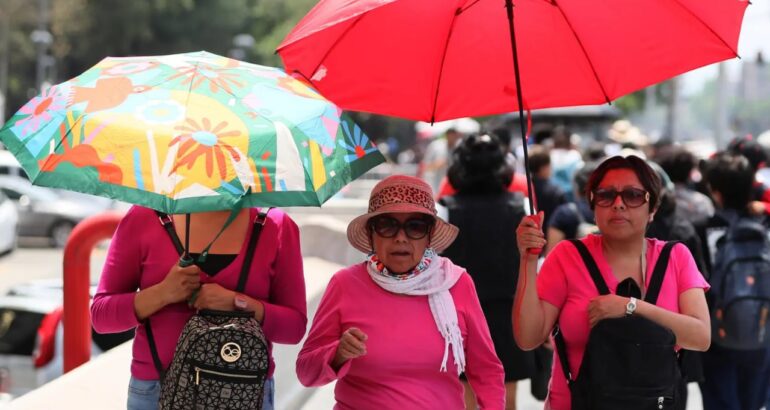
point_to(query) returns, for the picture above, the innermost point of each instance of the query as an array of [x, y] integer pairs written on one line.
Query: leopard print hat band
[[401, 194]]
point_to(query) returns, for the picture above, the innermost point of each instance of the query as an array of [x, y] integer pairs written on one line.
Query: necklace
[[643, 262]]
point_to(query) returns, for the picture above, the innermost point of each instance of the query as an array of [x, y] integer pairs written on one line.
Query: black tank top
[[215, 262]]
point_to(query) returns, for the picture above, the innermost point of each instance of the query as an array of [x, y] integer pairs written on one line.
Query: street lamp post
[[5, 32], [42, 39]]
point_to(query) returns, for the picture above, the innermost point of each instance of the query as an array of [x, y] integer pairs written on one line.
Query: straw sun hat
[[401, 194]]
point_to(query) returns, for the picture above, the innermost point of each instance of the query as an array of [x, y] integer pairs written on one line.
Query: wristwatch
[[240, 302], [631, 306]]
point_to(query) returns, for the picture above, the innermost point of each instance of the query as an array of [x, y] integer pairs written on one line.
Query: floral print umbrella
[[189, 133]]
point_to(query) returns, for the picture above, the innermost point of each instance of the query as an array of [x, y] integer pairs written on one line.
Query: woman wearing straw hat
[[396, 330]]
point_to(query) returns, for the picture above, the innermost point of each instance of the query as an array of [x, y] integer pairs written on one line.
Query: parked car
[[9, 165], [9, 220], [45, 212], [31, 336]]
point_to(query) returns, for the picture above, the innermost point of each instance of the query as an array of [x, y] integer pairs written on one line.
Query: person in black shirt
[[548, 196], [487, 215]]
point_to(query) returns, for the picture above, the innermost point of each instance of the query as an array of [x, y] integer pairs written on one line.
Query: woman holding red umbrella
[[624, 193]]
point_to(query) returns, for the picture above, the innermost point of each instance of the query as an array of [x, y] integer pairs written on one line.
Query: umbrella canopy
[[434, 60], [189, 133]]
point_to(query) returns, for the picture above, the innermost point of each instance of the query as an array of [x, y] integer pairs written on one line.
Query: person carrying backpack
[[204, 332], [736, 371], [620, 304]]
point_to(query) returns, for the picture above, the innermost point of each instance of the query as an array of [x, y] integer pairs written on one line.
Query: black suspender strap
[[590, 263], [658, 273], [168, 225]]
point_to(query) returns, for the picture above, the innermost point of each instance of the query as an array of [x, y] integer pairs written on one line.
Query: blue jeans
[[144, 394], [734, 380]]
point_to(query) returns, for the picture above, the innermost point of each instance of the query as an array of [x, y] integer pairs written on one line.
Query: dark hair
[[562, 137], [594, 151], [647, 176], [539, 157], [733, 177], [479, 166], [541, 132], [580, 179], [677, 162], [751, 149], [667, 204], [503, 135]]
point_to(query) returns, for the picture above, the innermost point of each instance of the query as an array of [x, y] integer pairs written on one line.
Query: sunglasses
[[388, 227], [632, 197]]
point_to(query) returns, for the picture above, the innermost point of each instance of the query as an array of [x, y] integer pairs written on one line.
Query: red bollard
[[77, 269]]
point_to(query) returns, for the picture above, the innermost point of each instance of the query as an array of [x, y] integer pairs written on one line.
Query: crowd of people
[[631, 281], [700, 203]]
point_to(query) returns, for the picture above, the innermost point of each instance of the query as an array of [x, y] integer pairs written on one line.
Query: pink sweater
[[404, 348], [565, 283], [141, 254]]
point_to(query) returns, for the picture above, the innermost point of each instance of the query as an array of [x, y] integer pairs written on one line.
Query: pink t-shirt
[[404, 348], [565, 283], [141, 254]]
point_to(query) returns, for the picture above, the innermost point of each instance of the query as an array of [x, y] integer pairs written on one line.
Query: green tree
[[86, 31]]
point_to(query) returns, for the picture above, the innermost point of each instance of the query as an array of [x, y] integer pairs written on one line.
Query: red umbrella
[[435, 60]]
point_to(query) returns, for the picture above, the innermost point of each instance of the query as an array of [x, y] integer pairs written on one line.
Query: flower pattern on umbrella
[[356, 143], [40, 109], [206, 141], [217, 78], [187, 133]]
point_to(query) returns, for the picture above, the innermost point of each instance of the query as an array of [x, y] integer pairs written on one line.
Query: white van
[[9, 165]]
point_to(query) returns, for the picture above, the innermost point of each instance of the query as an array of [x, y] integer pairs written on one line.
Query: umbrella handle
[[186, 261], [535, 251]]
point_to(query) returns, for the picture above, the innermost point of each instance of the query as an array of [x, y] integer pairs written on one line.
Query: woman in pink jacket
[[397, 330]]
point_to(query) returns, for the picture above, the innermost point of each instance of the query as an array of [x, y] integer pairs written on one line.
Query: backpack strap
[[259, 223], [652, 294], [168, 225], [593, 270], [561, 350], [154, 351], [659, 272], [167, 222], [601, 286]]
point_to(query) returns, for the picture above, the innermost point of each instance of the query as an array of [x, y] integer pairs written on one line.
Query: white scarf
[[435, 281]]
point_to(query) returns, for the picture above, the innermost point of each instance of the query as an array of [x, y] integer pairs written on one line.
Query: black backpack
[[740, 287], [221, 357], [630, 362]]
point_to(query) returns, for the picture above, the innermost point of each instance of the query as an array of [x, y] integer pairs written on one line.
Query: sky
[[755, 36]]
